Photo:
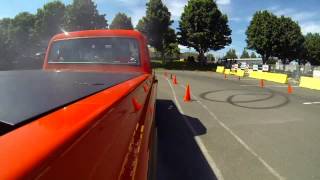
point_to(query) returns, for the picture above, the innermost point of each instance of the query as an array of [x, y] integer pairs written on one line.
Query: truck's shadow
[[179, 156]]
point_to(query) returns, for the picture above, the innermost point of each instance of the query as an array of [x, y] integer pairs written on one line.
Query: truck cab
[[98, 50]]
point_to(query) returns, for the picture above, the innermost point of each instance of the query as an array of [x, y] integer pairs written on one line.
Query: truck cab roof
[[100, 37]]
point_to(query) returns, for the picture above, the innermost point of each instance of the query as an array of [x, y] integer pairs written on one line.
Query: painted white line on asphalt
[[247, 85], [310, 103], [271, 169], [307, 103], [200, 143]]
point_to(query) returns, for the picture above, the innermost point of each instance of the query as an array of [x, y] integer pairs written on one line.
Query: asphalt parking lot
[[234, 129]]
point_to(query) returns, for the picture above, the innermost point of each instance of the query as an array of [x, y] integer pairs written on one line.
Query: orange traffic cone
[[290, 90], [136, 105], [187, 96], [175, 79], [261, 83]]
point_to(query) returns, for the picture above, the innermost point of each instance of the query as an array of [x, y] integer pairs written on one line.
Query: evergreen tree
[[83, 15], [231, 54], [156, 26], [121, 21], [244, 54]]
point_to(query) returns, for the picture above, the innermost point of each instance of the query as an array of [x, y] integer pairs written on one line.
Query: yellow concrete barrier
[[227, 71], [233, 72], [220, 69], [256, 75], [309, 82], [274, 77], [240, 73]]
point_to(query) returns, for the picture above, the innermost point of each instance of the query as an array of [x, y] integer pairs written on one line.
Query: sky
[[240, 12]]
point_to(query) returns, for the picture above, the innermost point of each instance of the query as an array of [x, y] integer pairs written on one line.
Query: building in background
[[245, 61], [248, 61]]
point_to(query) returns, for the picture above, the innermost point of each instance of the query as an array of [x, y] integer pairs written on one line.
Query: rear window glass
[[106, 50]]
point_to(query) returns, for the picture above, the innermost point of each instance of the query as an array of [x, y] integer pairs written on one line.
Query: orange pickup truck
[[88, 114]]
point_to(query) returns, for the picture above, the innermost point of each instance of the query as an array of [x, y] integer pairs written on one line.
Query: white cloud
[[136, 9], [135, 2], [301, 16], [223, 2], [175, 7], [273, 8], [249, 18], [236, 19], [240, 19], [296, 15], [183, 47], [240, 31], [186, 49], [285, 11], [128, 3], [310, 27], [137, 14], [309, 20]]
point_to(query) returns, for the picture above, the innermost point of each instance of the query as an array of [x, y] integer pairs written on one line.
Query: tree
[[171, 44], [185, 55], [83, 15], [203, 27], [245, 54], [156, 26], [22, 27], [211, 57], [173, 51], [16, 40], [141, 27], [290, 39], [49, 20], [231, 54], [6, 26], [121, 21], [262, 34], [253, 55], [275, 36], [22, 36], [5, 42], [312, 46]]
